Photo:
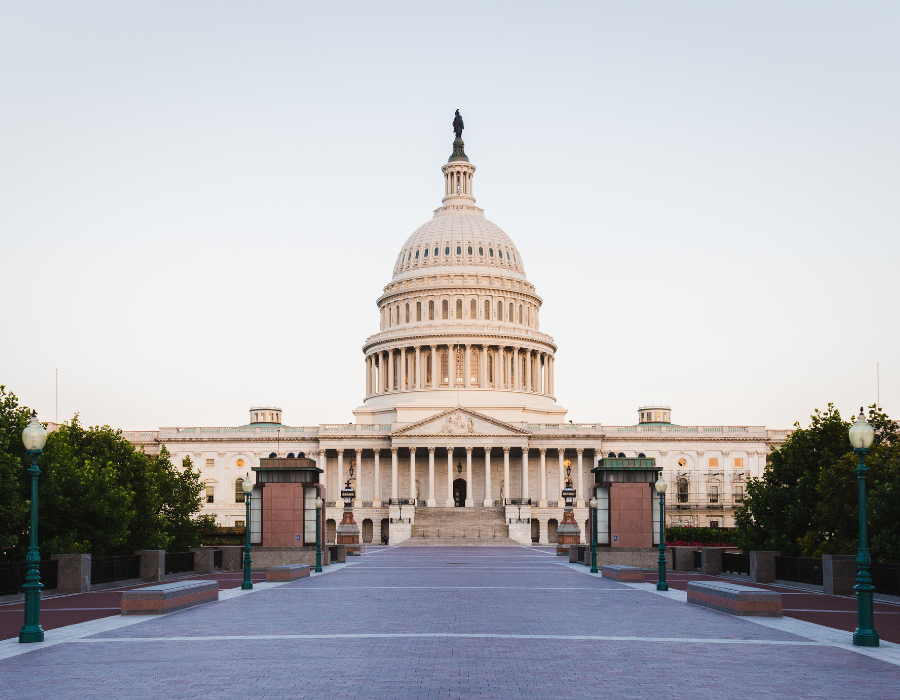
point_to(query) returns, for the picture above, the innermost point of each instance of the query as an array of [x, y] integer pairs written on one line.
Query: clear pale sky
[[201, 202]]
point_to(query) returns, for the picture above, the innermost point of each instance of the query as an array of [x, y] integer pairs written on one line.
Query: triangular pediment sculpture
[[460, 421]]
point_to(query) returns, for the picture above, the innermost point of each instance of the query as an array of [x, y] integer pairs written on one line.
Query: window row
[[416, 312], [683, 488], [448, 248]]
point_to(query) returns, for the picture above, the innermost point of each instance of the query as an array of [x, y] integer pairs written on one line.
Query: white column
[[516, 379], [340, 470], [412, 472], [470, 487], [467, 370], [435, 368], [488, 498], [543, 480], [417, 373], [582, 480], [368, 375], [357, 502], [449, 501], [551, 388], [501, 369], [401, 381], [562, 475], [524, 480], [528, 361], [431, 501], [376, 492], [395, 475], [506, 493]]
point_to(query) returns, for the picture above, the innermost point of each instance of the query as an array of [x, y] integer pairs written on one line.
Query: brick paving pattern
[[448, 623]]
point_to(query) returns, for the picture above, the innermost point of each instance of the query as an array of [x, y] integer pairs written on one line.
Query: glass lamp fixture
[[246, 484], [660, 485], [34, 436], [318, 501], [862, 435], [594, 502]]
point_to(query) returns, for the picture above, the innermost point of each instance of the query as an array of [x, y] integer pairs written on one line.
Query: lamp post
[[318, 535], [34, 436], [247, 486], [594, 535], [660, 487], [862, 435]]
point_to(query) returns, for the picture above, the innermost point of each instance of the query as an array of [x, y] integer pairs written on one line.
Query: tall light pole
[[34, 436], [660, 487], [862, 436], [594, 535], [247, 485], [318, 535]]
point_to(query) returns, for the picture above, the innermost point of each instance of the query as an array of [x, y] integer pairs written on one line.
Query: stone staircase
[[460, 527]]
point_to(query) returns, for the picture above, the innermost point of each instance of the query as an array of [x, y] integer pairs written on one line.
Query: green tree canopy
[[98, 494]]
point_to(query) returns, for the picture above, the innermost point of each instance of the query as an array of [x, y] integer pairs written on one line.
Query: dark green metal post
[[248, 583], [661, 584], [318, 540], [865, 634], [31, 631], [594, 569]]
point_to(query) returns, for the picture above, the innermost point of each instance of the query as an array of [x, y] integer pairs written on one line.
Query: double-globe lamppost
[[862, 436], [34, 436], [660, 487], [247, 486]]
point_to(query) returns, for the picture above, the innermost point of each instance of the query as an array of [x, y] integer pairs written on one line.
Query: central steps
[[476, 526]]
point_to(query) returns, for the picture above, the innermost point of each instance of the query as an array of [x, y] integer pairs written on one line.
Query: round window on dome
[[459, 250], [447, 250], [470, 250], [481, 251], [491, 252]]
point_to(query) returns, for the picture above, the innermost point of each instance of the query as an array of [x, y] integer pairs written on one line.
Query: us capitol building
[[460, 426]]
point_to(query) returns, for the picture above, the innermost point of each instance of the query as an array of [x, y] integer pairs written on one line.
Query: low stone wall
[[266, 557], [838, 574], [642, 557], [232, 558]]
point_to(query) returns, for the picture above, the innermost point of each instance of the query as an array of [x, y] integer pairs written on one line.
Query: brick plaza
[[448, 622]]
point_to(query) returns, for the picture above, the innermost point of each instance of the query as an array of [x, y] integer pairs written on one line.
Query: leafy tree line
[[97, 493], [806, 502]]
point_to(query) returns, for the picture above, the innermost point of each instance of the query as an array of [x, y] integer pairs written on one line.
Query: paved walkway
[[449, 623]]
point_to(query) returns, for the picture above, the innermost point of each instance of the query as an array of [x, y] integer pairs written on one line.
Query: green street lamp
[[247, 485], [594, 535], [34, 436], [660, 487], [318, 535], [862, 435]]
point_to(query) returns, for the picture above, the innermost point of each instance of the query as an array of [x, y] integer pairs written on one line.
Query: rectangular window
[[713, 462], [738, 494], [473, 309], [309, 514], [211, 464], [713, 494], [239, 523], [738, 462], [210, 494], [714, 524]]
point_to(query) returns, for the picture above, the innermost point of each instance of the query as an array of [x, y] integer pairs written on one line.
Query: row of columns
[[538, 375], [488, 501]]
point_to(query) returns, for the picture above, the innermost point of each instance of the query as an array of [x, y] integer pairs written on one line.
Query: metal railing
[[736, 563], [178, 562], [110, 569], [401, 501], [517, 502], [886, 578], [799, 569], [12, 575]]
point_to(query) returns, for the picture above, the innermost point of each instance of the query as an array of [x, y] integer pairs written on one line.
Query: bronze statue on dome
[[458, 125]]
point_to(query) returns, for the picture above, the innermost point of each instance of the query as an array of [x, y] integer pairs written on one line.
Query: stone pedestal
[[684, 558], [838, 574], [153, 564], [711, 560], [762, 566], [520, 532], [568, 533], [232, 558], [399, 532], [203, 560], [74, 573], [348, 532]]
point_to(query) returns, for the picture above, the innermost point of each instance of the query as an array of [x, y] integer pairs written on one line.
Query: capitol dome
[[459, 320]]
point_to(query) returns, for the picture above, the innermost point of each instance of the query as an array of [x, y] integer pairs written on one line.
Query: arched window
[[447, 250], [407, 313], [470, 250], [481, 251], [487, 310], [445, 309], [445, 368], [239, 491], [474, 367], [290, 455], [396, 371], [429, 360], [417, 255], [431, 310], [491, 252], [459, 308], [390, 316], [520, 313], [473, 309], [510, 317], [526, 316], [507, 255], [398, 314], [611, 455], [499, 310], [418, 311], [458, 249], [683, 490], [490, 368], [621, 455], [641, 455], [425, 253]]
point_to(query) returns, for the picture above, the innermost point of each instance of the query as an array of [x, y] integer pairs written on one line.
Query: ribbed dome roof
[[458, 239]]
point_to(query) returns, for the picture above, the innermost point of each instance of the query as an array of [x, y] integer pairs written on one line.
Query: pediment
[[460, 422]]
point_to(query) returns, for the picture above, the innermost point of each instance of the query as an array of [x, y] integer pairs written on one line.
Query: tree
[[14, 503]]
